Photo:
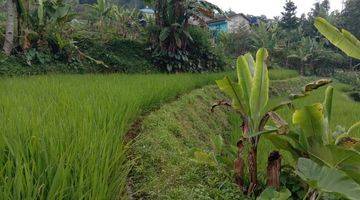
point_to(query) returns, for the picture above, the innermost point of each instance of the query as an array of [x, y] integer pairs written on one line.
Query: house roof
[[147, 10], [226, 17]]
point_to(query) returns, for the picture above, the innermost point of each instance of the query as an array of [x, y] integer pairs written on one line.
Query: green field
[[165, 167], [62, 135]]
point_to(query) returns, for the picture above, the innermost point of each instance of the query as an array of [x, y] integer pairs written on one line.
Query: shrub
[[237, 43], [199, 56], [121, 55], [327, 62], [16, 65], [355, 96], [204, 52], [350, 77]]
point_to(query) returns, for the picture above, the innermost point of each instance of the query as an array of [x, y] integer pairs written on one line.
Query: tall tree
[[320, 9], [325, 6], [289, 19], [351, 16], [10, 22]]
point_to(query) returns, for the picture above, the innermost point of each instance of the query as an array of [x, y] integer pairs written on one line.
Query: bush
[[327, 62], [355, 96], [204, 53], [236, 44], [121, 55], [350, 77], [199, 56], [16, 65]]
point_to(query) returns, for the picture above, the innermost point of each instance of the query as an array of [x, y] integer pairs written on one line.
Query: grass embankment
[[281, 74], [165, 169], [165, 166], [62, 136]]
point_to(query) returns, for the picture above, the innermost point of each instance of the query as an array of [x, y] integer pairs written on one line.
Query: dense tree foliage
[[173, 45], [351, 16], [289, 19], [56, 31]]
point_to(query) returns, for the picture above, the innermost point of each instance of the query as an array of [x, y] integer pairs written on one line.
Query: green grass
[[165, 167], [345, 111], [281, 74], [62, 136]]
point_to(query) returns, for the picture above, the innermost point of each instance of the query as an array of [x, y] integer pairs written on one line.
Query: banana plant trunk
[[9, 35], [273, 170], [252, 159], [239, 166]]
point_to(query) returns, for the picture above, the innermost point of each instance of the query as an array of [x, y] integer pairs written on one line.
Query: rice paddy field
[[62, 135]]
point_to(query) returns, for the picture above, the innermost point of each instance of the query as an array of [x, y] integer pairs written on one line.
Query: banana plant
[[326, 179], [313, 139], [250, 97], [101, 11], [308, 52], [343, 39]]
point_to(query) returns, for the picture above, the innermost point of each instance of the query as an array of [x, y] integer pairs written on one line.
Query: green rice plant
[[62, 136], [282, 74]]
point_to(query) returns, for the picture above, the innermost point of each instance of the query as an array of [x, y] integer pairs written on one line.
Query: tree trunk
[[302, 70], [160, 12], [252, 169], [239, 166], [273, 170], [9, 35]]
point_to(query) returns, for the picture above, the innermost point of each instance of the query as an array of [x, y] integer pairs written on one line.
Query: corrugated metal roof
[[147, 10], [226, 17]]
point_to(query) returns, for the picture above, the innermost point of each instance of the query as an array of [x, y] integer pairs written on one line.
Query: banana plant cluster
[[250, 97], [174, 19], [110, 19], [328, 160], [172, 41]]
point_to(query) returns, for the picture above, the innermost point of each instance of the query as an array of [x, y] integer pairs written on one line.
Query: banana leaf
[[233, 90], [311, 121], [327, 179], [244, 79], [260, 86], [344, 40]]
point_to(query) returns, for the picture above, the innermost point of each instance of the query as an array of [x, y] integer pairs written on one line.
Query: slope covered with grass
[[61, 137], [165, 168], [165, 164]]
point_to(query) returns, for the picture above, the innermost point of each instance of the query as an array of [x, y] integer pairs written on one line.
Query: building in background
[[230, 23], [149, 12]]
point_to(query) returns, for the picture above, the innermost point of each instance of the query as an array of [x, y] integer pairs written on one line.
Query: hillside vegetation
[[164, 152]]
